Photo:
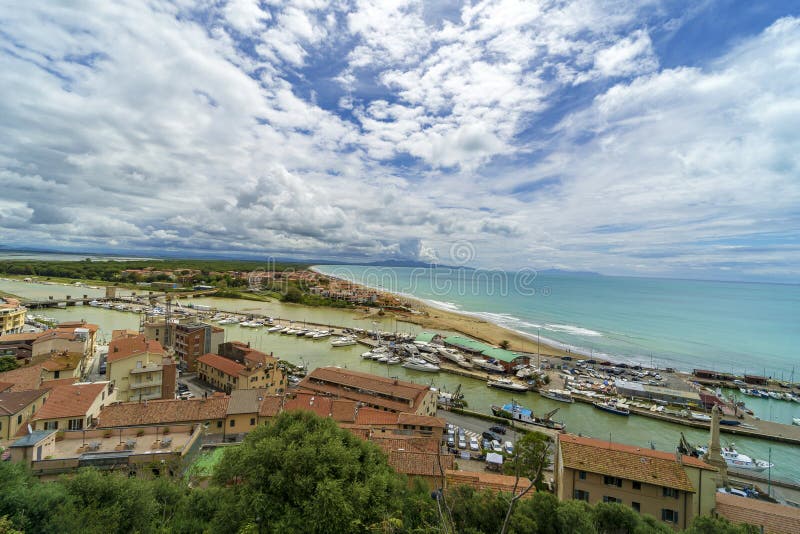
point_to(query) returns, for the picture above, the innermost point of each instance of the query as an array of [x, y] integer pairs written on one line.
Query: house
[[62, 365], [767, 517], [73, 407], [242, 414], [139, 369], [58, 342], [427, 466], [81, 328], [671, 487], [18, 345], [17, 407], [189, 340], [481, 480], [378, 392], [211, 411], [23, 378], [12, 316], [256, 371]]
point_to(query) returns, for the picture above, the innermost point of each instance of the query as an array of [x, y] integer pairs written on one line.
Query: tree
[[292, 295], [531, 458], [8, 363], [303, 473], [505, 344], [615, 518], [718, 525]]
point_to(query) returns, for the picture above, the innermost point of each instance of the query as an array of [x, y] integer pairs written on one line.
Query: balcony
[[145, 384]]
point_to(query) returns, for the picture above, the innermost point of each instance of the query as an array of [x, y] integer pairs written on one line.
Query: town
[[158, 401]]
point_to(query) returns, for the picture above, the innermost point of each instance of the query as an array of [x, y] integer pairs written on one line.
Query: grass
[[204, 466]]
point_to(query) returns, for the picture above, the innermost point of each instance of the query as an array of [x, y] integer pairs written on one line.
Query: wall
[[9, 423], [119, 373]]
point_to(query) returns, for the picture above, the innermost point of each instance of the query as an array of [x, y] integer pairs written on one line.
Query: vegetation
[[300, 473], [8, 363], [505, 344]]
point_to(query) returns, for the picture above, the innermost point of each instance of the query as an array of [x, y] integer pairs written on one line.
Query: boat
[[419, 364], [488, 365], [516, 412], [274, 328], [507, 384], [700, 417], [559, 395], [612, 407], [730, 422], [94, 303], [796, 421], [343, 341], [321, 335], [366, 355], [393, 360], [737, 460], [429, 357]]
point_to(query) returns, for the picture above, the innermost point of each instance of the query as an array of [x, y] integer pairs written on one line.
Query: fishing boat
[[492, 366], [343, 341], [507, 384], [612, 407], [516, 412], [737, 460], [419, 364], [560, 395]]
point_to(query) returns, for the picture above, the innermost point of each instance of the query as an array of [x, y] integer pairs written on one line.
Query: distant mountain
[[564, 271]]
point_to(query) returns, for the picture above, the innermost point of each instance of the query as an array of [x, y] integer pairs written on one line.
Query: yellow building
[[672, 488], [16, 407], [256, 371], [73, 407], [12, 316], [139, 369]]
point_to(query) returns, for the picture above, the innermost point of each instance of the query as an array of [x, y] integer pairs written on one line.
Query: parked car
[[461, 443], [496, 447], [473, 444], [486, 445], [498, 429], [102, 368], [186, 395], [508, 447], [490, 436], [451, 442], [451, 429], [182, 387]]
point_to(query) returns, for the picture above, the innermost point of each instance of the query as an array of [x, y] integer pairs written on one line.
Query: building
[[638, 390], [19, 346], [23, 378], [255, 371], [12, 316], [82, 328], [58, 341], [429, 467], [189, 340], [63, 365], [73, 407], [481, 480], [506, 358], [209, 411], [17, 407], [242, 414], [671, 487], [140, 370], [769, 518], [378, 392], [145, 452]]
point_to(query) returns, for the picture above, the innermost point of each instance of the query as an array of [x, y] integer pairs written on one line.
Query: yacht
[[393, 360], [343, 341], [507, 384], [483, 363], [322, 334], [559, 395], [737, 460], [419, 364], [274, 328], [429, 357]]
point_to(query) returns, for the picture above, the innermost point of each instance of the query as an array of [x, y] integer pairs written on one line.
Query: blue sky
[[652, 138]]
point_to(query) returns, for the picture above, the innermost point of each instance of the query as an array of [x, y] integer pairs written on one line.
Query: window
[[252, 421], [232, 423], [219, 424], [637, 485], [606, 498], [670, 516], [670, 492], [51, 425], [636, 506], [57, 374], [75, 424], [612, 481], [19, 419], [582, 475], [581, 495]]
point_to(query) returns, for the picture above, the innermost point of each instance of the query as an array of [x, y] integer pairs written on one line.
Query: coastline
[[432, 317]]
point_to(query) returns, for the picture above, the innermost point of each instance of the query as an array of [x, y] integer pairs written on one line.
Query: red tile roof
[[481, 480], [420, 463], [420, 420], [127, 346], [774, 518], [270, 406], [59, 382], [628, 462], [228, 367], [77, 324], [396, 442], [371, 416], [25, 336], [24, 378], [5, 386], [70, 401], [163, 411], [12, 402]]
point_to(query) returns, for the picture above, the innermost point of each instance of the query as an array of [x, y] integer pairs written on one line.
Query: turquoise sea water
[[686, 324]]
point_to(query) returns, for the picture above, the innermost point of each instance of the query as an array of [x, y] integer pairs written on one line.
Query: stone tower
[[714, 454]]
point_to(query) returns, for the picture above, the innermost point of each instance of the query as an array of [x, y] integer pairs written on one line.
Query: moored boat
[[507, 384], [419, 364], [519, 413], [483, 363], [560, 395], [737, 460], [343, 341], [612, 407]]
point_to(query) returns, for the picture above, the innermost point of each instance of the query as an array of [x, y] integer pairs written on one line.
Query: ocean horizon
[[741, 327]]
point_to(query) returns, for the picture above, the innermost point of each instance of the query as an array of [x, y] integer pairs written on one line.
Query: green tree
[[531, 458], [505, 344], [292, 294], [718, 525], [615, 518], [6, 527], [8, 363], [575, 517], [303, 473]]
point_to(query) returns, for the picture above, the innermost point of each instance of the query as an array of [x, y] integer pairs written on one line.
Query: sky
[[648, 137]]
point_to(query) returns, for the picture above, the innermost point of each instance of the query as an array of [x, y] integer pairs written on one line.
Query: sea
[[751, 328]]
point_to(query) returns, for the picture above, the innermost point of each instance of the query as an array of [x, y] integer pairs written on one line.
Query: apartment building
[[12, 316], [17, 407], [246, 370], [139, 369], [73, 407]]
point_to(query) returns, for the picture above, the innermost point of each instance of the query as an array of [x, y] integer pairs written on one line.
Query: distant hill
[[564, 271]]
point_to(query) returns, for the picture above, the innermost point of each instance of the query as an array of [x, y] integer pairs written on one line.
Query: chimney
[[678, 456]]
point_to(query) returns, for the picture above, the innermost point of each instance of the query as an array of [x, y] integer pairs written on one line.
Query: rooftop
[[367, 382], [774, 518], [19, 338], [31, 439], [420, 420], [70, 401], [12, 402], [127, 346], [482, 480], [78, 324], [228, 367], [245, 401], [163, 411], [629, 462], [23, 378], [420, 463], [322, 405]]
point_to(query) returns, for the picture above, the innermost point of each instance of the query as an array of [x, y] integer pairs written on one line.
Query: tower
[[714, 454]]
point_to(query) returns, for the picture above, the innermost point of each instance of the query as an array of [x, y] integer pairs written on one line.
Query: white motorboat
[[274, 328], [321, 335], [697, 416], [94, 303], [507, 384], [796, 421], [343, 341], [311, 333], [429, 357], [419, 364], [489, 366], [559, 395], [366, 355], [737, 460], [393, 360]]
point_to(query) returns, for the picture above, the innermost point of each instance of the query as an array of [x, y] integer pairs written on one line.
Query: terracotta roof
[[245, 401], [371, 416], [344, 410], [482, 480], [367, 383], [322, 405], [420, 420], [12, 402], [70, 401], [23, 378], [359, 432], [163, 411], [5, 386], [54, 334], [25, 336], [420, 463], [123, 332], [59, 382], [774, 518], [270, 406], [254, 357], [628, 462], [78, 324], [365, 398], [395, 442], [127, 346], [228, 367]]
